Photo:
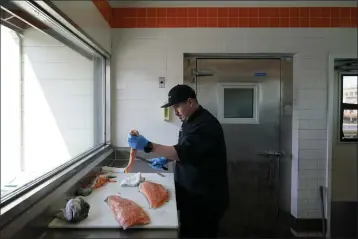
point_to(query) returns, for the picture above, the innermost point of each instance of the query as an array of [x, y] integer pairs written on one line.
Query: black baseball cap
[[179, 94]]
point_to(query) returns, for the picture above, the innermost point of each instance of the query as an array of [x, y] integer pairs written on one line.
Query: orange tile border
[[233, 17], [253, 17]]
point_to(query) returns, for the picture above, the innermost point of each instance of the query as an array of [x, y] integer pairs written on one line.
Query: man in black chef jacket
[[200, 171]]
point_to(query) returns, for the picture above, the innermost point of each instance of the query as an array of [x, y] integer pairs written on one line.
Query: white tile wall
[[312, 124], [312, 114], [312, 144], [312, 134], [140, 56]]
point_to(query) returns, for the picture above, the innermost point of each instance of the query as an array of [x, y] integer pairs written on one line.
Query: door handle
[[270, 154]]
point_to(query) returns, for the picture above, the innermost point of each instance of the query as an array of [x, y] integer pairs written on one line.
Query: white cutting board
[[101, 216]]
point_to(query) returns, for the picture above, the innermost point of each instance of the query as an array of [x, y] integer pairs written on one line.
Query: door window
[[238, 103]]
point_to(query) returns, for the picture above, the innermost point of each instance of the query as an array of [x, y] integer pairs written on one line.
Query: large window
[[10, 106], [52, 97], [348, 108]]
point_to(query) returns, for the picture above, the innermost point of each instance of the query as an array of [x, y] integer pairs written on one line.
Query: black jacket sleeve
[[196, 144]]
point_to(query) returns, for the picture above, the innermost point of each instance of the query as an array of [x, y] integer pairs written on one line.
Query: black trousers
[[198, 217], [199, 223]]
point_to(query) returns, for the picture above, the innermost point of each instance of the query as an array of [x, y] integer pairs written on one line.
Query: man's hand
[[137, 142], [158, 163]]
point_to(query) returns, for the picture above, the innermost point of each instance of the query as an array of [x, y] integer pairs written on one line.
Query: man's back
[[201, 172]]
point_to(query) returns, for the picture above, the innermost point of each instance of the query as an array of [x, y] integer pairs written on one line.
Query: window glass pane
[[350, 89], [238, 103], [10, 106], [350, 125], [57, 113]]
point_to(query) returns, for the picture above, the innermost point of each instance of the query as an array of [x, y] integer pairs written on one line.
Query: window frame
[[345, 106], [40, 11], [241, 85]]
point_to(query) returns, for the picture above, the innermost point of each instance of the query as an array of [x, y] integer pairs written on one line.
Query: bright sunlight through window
[[51, 98]]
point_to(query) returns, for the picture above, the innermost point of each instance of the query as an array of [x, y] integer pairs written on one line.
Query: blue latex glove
[[158, 163], [137, 142]]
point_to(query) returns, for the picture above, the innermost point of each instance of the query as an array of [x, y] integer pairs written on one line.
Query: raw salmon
[[132, 154], [101, 181], [155, 193], [127, 212]]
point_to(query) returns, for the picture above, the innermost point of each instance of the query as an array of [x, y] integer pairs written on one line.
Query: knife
[[147, 161]]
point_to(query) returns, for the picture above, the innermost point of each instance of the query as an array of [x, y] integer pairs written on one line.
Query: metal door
[[252, 148]]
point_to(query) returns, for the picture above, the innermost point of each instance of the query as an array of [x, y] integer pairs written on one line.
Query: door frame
[[330, 133], [286, 105]]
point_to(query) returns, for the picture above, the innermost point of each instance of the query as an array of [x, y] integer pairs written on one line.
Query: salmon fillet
[[127, 212], [132, 154], [155, 193], [101, 181]]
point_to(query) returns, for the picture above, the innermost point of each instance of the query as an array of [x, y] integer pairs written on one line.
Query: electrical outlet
[[161, 82]]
